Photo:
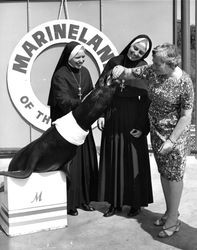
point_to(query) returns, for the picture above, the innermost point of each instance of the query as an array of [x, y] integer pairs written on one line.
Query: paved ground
[[92, 231]]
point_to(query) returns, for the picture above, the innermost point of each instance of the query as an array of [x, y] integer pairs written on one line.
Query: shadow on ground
[[185, 239]]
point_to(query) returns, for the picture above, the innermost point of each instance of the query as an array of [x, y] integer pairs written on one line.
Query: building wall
[[119, 20]]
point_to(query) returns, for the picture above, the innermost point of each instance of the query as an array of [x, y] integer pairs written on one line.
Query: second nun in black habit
[[70, 83], [124, 170]]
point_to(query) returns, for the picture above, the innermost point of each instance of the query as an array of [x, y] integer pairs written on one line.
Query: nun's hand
[[136, 133], [101, 123], [117, 72]]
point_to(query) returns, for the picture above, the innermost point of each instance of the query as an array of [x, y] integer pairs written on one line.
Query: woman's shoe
[[110, 211], [133, 212], [119, 209], [72, 212], [166, 232], [161, 221]]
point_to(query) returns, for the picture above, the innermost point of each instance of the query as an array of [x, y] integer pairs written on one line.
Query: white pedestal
[[34, 204]]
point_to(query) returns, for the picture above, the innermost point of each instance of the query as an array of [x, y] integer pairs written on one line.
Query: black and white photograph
[[98, 140]]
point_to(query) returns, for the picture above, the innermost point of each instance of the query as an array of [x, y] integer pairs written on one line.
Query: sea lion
[[57, 145]]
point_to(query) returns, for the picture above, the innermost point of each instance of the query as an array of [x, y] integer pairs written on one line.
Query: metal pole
[[101, 15], [185, 28], [174, 22], [28, 28], [195, 75]]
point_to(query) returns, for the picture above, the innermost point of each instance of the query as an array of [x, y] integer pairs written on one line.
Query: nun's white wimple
[[75, 51]]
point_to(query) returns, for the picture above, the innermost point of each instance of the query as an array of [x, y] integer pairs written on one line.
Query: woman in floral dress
[[171, 92]]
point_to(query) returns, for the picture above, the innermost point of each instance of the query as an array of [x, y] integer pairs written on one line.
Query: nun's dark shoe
[[119, 209], [133, 212], [87, 207], [110, 211], [72, 212]]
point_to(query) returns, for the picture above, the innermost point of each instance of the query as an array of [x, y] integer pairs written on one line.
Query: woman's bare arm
[[122, 73], [185, 119]]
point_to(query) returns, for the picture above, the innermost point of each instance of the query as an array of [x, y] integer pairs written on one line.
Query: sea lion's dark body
[[51, 151]]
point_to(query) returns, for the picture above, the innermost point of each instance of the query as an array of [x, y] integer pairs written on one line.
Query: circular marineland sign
[[35, 42]]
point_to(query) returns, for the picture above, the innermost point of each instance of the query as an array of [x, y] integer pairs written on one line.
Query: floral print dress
[[168, 96]]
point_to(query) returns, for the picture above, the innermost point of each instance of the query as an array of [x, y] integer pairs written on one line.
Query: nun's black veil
[[127, 62], [63, 61], [65, 54]]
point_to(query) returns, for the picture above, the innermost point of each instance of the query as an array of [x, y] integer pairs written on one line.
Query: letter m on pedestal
[[37, 197]]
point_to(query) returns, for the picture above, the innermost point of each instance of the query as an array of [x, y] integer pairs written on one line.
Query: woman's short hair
[[168, 54]]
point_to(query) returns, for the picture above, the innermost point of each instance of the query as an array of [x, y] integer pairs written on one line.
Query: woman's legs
[[172, 193], [166, 194]]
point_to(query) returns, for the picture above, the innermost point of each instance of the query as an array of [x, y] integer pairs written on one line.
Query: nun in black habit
[[70, 83], [58, 144], [124, 170]]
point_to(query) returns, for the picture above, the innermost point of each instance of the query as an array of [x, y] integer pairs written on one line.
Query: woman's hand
[[101, 123], [117, 71], [136, 133], [166, 147]]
